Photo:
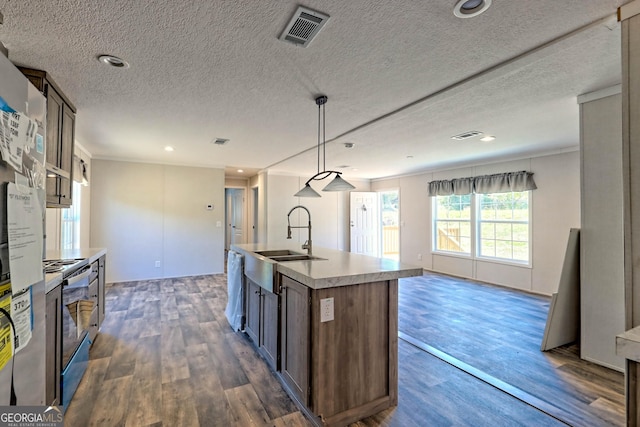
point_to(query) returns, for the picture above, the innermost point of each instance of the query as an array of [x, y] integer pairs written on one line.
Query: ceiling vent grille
[[220, 141], [466, 135], [303, 26]]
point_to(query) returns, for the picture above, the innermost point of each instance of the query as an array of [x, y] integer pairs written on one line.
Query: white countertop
[[337, 268], [628, 344], [91, 253], [54, 279]]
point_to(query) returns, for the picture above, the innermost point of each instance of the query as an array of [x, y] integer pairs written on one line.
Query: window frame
[[71, 227], [434, 229], [476, 241]]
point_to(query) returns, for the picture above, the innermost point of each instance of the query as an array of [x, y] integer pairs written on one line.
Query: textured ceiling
[[402, 77]]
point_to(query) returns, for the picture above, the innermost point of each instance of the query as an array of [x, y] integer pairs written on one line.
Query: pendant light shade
[[338, 183], [307, 191]]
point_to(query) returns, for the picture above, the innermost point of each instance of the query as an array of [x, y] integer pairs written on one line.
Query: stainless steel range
[[78, 314]]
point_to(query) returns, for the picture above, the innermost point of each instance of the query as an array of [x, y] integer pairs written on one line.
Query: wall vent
[[220, 141], [303, 26], [466, 135]]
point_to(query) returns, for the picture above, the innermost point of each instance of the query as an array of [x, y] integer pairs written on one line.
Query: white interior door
[[235, 216], [365, 224]]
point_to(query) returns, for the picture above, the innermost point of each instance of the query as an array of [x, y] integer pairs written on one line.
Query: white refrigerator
[[27, 365]]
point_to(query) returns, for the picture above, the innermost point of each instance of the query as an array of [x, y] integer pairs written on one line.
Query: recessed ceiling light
[[487, 138], [349, 144], [168, 148], [113, 61], [240, 171], [470, 8]]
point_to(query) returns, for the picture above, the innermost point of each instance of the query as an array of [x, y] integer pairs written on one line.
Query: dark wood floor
[[499, 332], [166, 356]]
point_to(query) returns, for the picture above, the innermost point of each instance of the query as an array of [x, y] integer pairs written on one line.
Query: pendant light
[[338, 183]]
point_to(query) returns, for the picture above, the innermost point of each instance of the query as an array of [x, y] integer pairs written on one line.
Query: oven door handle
[[74, 281]]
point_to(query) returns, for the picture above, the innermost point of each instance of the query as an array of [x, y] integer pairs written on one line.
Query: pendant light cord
[[324, 135], [318, 138]]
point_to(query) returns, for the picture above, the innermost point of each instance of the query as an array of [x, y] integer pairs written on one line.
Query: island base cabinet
[[269, 328], [294, 338], [252, 311], [261, 311], [345, 369]]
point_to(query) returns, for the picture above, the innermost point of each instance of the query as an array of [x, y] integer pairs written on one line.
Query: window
[[494, 226], [503, 226], [70, 227], [452, 219]]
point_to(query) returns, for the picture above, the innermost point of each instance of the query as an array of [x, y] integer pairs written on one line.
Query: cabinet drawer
[[93, 292], [93, 325], [94, 271]]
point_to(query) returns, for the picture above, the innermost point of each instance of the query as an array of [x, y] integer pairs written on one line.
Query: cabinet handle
[[256, 292]]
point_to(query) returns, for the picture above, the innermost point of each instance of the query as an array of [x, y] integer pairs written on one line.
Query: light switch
[[218, 224], [326, 310]]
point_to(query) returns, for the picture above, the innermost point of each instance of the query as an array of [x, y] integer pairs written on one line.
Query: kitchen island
[[328, 326]]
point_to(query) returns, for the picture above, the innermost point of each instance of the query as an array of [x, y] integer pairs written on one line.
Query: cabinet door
[[53, 337], [101, 291], [294, 351], [269, 327], [66, 155], [54, 125], [252, 326], [52, 153]]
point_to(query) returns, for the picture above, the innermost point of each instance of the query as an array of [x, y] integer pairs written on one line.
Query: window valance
[[496, 183]]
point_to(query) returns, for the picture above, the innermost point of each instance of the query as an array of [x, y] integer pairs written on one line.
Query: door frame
[[245, 220]]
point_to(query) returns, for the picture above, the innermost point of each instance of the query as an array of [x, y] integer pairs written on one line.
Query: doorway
[[234, 216], [390, 218], [375, 223]]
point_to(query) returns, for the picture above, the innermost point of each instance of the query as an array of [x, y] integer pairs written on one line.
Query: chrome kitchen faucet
[[307, 244]]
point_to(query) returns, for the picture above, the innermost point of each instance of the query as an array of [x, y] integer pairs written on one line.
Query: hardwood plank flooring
[[166, 356], [499, 331]]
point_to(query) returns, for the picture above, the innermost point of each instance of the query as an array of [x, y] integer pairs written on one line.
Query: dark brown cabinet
[[96, 294], [252, 311], [53, 339], [60, 139], [101, 286], [261, 311], [269, 327], [295, 334]]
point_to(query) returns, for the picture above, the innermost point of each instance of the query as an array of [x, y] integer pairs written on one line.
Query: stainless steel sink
[[299, 257], [277, 252], [260, 266]]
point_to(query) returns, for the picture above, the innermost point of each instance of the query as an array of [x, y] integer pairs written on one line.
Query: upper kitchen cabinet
[[61, 118]]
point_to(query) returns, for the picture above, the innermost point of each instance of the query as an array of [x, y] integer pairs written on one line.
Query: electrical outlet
[[419, 257], [157, 264], [326, 310]]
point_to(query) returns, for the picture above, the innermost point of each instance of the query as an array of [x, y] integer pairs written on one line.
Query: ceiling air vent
[[304, 26], [466, 135], [220, 141]]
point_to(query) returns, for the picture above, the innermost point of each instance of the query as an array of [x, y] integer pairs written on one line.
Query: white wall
[[602, 234], [144, 213], [329, 213], [555, 209]]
